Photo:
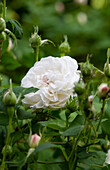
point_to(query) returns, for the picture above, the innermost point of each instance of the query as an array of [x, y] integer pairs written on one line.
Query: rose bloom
[[55, 78]]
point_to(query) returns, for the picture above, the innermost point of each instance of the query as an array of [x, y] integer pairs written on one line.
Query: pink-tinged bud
[[9, 98], [34, 141], [103, 90], [90, 98]]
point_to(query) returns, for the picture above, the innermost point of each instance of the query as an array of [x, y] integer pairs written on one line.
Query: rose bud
[[34, 141], [79, 88], [72, 105], [64, 47], [8, 150], [107, 65], [2, 37], [2, 24], [35, 40], [90, 98], [86, 68], [9, 98], [107, 70], [103, 90]]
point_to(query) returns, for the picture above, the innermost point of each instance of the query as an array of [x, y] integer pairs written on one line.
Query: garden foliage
[[59, 117]]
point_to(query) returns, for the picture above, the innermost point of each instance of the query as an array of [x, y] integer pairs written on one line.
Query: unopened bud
[[2, 36], [64, 47], [9, 98], [107, 70], [34, 141], [90, 99], [86, 69], [35, 40], [103, 90], [2, 24], [72, 104], [79, 88], [7, 150]]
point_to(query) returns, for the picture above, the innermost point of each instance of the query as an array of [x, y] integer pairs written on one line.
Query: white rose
[[55, 78], [107, 161]]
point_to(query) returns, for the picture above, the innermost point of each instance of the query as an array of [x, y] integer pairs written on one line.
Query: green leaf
[[21, 90], [73, 131], [9, 61], [18, 90], [56, 124], [94, 160], [2, 107], [56, 127], [4, 119], [107, 167], [15, 27], [22, 114], [79, 120], [106, 124], [15, 136], [44, 146]]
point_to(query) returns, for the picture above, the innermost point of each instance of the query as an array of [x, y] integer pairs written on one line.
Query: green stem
[[50, 162], [4, 9], [73, 152], [64, 153], [67, 126], [74, 162], [92, 127], [102, 114], [36, 51], [7, 142]]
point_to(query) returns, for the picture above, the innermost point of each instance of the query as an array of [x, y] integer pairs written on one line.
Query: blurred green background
[[85, 22]]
